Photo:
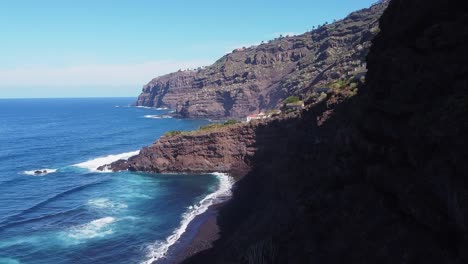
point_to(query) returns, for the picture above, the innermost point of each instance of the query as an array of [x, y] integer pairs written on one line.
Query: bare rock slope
[[253, 79]]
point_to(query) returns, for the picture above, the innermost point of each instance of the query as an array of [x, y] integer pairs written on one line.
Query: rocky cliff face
[[252, 79], [379, 177], [382, 177], [228, 149]]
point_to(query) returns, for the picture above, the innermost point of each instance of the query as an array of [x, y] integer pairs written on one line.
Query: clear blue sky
[[111, 48]]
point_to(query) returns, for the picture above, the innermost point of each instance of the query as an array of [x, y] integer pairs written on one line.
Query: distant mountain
[[250, 80]]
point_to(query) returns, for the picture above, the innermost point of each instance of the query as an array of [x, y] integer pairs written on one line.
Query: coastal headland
[[369, 172]]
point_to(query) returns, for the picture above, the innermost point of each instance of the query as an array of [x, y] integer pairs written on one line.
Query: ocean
[[74, 214]]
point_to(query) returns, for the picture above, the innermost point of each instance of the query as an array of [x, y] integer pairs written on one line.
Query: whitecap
[[146, 107], [160, 248], [162, 108], [157, 116], [106, 203], [96, 228], [152, 116], [33, 172], [93, 164]]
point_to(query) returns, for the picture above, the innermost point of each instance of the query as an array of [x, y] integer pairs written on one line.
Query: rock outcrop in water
[[253, 79], [219, 150]]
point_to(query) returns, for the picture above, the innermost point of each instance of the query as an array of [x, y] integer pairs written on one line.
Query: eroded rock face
[[383, 179], [376, 178], [253, 79], [228, 149], [219, 150]]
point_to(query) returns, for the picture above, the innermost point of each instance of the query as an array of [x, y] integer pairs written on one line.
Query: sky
[[91, 48]]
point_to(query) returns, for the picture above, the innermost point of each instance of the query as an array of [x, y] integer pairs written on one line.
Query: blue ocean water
[[74, 214]]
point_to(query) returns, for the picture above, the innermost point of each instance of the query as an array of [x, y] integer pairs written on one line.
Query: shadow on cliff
[[378, 178], [274, 211]]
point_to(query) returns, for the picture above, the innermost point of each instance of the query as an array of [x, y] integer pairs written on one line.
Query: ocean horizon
[[55, 207]]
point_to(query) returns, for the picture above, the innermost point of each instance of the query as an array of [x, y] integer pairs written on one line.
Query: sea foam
[[96, 228], [33, 172], [145, 107], [93, 164], [157, 116], [106, 203], [160, 248]]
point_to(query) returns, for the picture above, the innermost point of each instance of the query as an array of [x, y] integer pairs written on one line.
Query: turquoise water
[[74, 214]]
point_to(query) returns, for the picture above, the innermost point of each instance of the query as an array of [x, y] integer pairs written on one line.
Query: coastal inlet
[[55, 207]]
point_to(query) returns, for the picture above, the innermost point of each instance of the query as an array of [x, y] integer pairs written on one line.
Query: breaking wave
[[157, 116], [160, 248], [39, 172], [93, 164]]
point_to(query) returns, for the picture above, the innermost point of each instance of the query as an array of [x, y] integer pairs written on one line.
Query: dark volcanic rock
[[252, 79], [381, 178]]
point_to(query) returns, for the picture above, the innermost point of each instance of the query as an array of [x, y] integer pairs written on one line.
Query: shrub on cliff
[[230, 122], [219, 125], [291, 99], [173, 133]]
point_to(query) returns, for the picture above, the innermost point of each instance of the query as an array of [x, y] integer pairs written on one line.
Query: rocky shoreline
[[203, 232], [373, 177], [226, 150]]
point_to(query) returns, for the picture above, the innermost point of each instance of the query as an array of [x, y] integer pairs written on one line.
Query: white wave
[[33, 172], [96, 228], [153, 116], [157, 116], [106, 203], [146, 107], [160, 248], [93, 164]]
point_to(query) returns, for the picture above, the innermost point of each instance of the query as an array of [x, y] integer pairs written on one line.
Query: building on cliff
[[257, 116]]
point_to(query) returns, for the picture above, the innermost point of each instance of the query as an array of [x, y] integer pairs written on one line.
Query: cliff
[[382, 177], [250, 80], [228, 149], [378, 177]]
